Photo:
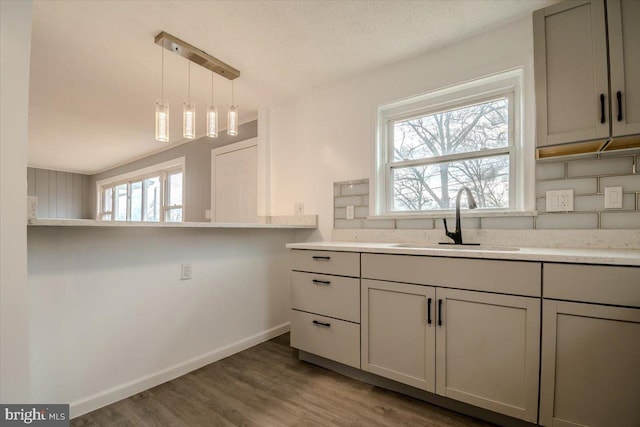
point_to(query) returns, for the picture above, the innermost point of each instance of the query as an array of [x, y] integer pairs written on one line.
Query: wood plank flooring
[[267, 385]]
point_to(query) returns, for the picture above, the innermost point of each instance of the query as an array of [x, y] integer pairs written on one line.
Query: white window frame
[[163, 170], [505, 84]]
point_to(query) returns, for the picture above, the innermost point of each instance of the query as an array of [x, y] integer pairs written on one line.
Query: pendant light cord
[[231, 92], [162, 79], [189, 83], [212, 88]]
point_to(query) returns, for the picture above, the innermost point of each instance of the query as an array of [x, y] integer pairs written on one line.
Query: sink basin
[[456, 247]]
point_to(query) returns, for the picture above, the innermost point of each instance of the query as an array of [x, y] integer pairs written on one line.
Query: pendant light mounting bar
[[196, 55]]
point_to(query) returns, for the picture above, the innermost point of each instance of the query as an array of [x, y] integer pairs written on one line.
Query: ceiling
[[96, 72]]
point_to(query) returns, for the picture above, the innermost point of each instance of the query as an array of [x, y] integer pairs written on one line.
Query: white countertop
[[565, 255], [94, 223]]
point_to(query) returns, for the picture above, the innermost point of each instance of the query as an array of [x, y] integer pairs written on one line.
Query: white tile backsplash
[[587, 177], [596, 167], [579, 186]]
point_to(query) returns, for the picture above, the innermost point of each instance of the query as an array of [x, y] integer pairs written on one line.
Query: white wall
[[328, 135], [15, 47], [110, 317]]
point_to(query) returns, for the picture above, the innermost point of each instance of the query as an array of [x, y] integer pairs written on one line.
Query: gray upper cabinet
[[624, 52], [573, 100], [570, 59]]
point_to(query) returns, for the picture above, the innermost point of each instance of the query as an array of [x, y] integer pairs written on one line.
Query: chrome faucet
[[457, 235]]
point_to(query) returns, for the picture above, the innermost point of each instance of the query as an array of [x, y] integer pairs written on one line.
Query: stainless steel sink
[[456, 247]]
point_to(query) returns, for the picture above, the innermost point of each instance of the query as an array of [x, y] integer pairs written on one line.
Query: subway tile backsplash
[[586, 177]]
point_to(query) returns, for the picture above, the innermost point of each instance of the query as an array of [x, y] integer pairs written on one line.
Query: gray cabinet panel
[[624, 52], [570, 55], [590, 365]]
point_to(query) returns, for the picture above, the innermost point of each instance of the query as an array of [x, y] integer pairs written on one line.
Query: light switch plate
[[185, 271], [613, 197], [560, 201], [350, 212]]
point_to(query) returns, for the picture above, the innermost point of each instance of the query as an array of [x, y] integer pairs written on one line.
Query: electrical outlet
[[613, 197], [350, 212], [298, 208], [560, 201], [185, 271]]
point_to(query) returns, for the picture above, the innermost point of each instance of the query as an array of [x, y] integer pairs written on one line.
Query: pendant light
[[162, 111], [232, 117], [212, 116], [189, 114]]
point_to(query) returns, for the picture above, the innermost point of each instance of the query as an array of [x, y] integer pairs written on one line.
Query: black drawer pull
[[439, 312], [619, 96], [326, 325], [321, 282], [601, 108], [429, 311], [322, 258]]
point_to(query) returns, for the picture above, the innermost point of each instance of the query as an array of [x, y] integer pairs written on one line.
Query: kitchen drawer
[[508, 277], [329, 338], [593, 283], [328, 262], [332, 296]]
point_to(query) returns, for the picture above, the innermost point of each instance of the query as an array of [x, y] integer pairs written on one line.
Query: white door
[[234, 172]]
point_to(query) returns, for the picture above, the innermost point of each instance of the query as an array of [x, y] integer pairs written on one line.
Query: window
[[430, 146], [151, 195]]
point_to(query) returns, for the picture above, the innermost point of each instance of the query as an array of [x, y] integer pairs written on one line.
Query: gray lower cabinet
[[398, 332], [590, 346], [325, 304], [474, 347], [590, 365]]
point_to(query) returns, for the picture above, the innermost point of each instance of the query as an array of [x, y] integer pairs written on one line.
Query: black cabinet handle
[[326, 325], [321, 282], [601, 108], [429, 311], [323, 258], [439, 312], [619, 96]]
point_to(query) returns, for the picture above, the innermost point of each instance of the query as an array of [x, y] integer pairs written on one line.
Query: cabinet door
[[398, 332], [624, 53], [570, 60], [590, 365], [487, 351]]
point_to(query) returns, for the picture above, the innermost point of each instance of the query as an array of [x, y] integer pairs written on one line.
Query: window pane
[[107, 202], [121, 202], [433, 187], [152, 199], [471, 128], [175, 189], [173, 215], [136, 201], [106, 217]]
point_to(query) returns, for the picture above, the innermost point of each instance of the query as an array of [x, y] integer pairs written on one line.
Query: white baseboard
[[107, 397]]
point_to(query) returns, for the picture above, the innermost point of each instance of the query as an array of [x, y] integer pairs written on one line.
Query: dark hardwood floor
[[268, 386]]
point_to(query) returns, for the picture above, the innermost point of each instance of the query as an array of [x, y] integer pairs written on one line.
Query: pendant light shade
[[232, 117], [212, 121], [212, 116], [189, 113], [232, 121], [162, 111], [162, 121], [189, 120]]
